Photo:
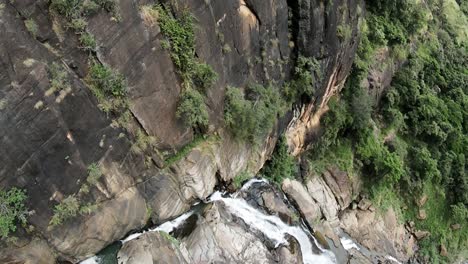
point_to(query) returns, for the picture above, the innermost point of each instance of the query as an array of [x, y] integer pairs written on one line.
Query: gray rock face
[[218, 239], [49, 138], [308, 207], [324, 201], [150, 248]]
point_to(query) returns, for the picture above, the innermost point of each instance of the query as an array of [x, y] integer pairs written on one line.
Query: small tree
[[12, 210], [192, 109]]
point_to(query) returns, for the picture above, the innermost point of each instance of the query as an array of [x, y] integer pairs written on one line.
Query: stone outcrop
[[151, 248], [211, 241], [49, 138], [329, 198]]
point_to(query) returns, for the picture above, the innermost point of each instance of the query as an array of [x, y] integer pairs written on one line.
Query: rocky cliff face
[[49, 138]]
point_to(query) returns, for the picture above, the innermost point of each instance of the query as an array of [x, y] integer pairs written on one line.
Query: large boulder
[[151, 248], [309, 209]]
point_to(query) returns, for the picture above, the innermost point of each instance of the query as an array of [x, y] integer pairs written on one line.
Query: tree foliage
[[12, 210]]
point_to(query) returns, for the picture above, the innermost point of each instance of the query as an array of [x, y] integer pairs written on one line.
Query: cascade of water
[[271, 226]]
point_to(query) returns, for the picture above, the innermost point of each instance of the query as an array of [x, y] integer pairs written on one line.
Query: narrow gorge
[[233, 131]]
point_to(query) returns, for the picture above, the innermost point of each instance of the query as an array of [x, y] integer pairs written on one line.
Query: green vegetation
[[241, 178], [306, 72], [184, 151], [77, 8], [58, 77], [69, 208], [197, 77], [107, 82], [31, 26], [94, 173], [87, 41], [170, 238], [192, 108], [281, 165], [344, 32], [415, 141], [12, 210], [250, 116]]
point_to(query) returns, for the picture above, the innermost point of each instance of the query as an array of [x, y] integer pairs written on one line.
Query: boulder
[[455, 226], [443, 251], [422, 200], [298, 193], [364, 204], [149, 248], [420, 234], [219, 239], [422, 214], [36, 251], [340, 184], [276, 205], [323, 196]]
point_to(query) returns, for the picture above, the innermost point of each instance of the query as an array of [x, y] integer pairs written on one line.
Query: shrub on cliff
[[66, 209], [249, 117], [12, 210], [281, 165], [107, 82], [306, 72], [192, 109]]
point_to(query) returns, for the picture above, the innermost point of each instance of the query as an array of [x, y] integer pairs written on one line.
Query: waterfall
[[271, 226], [274, 229]]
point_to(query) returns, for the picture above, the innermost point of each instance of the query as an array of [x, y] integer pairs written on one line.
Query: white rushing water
[[165, 227], [91, 260], [274, 229], [348, 243], [269, 225]]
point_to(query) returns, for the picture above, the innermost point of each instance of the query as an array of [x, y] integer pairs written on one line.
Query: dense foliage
[[12, 210], [281, 165], [197, 77], [415, 141], [251, 115], [107, 82]]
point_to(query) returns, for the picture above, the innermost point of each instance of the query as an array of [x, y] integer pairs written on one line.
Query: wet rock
[[356, 257], [419, 234], [364, 204], [149, 248], [275, 204], [378, 232], [422, 214], [218, 239], [321, 239], [288, 257], [298, 193]]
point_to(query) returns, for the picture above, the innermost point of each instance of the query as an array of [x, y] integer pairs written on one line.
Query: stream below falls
[[270, 226]]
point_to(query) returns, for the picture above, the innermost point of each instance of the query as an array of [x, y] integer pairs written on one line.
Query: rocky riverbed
[[260, 224]]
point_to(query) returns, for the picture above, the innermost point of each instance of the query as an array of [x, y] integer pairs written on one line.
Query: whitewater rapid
[[269, 225], [274, 229]]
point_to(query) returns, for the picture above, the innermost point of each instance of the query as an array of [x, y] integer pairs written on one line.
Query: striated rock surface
[[49, 138], [329, 198]]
